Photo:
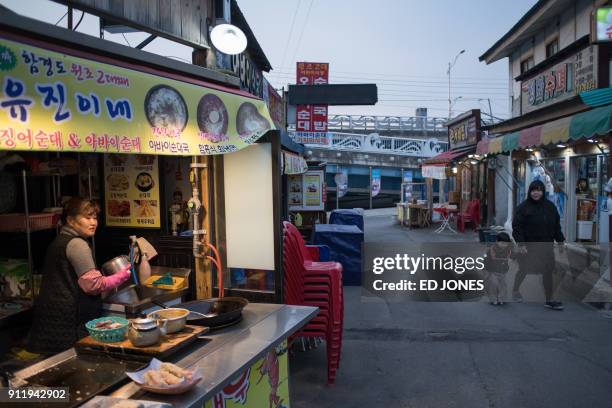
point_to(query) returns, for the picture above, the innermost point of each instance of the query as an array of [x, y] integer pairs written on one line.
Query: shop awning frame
[[584, 125], [449, 156]]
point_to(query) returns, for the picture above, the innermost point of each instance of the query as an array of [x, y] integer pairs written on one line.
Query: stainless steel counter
[[228, 352]]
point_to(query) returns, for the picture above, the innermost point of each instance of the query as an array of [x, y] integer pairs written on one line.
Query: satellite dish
[[228, 39]]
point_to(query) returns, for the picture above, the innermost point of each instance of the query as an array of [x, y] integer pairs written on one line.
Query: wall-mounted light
[[592, 141], [529, 149], [338, 154], [561, 145], [454, 170], [228, 39], [473, 162]]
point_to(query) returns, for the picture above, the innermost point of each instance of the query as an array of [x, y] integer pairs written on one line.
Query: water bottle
[[144, 269]]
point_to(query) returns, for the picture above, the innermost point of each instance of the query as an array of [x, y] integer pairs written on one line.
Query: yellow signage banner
[[131, 185], [264, 384], [51, 101]]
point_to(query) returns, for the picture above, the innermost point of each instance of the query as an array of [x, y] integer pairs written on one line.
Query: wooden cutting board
[[166, 346]]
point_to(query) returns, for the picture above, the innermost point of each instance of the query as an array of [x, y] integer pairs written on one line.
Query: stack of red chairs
[[309, 282], [471, 214]]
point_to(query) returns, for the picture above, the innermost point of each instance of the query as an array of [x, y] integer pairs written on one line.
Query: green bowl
[[108, 335]]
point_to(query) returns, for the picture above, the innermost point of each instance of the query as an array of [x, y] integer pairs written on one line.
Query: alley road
[[458, 354]]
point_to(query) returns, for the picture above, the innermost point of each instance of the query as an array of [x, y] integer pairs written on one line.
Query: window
[[527, 64], [552, 48]]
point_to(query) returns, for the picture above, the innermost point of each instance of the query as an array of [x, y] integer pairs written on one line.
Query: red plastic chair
[[470, 215], [311, 283]]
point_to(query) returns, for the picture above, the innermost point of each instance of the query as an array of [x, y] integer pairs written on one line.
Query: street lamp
[[228, 39], [453, 105], [448, 72]]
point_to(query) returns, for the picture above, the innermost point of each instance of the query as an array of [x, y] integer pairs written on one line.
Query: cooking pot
[[146, 331], [176, 318], [115, 265], [215, 312]]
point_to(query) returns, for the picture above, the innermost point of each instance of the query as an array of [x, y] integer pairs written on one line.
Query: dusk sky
[[402, 46]]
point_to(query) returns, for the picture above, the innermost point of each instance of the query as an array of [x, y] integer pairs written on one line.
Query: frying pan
[[219, 312]]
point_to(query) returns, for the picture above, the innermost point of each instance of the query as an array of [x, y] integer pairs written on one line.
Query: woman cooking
[[71, 288]]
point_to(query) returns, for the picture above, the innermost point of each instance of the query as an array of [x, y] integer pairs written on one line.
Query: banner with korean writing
[[311, 118], [131, 190], [375, 182], [52, 101]]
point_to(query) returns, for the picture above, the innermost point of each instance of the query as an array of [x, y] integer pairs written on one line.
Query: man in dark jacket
[[537, 224]]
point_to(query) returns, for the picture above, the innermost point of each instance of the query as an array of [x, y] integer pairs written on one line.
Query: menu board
[[295, 190], [306, 191], [131, 187]]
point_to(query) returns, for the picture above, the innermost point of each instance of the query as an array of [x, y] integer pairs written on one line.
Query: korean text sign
[[311, 118], [50, 101]]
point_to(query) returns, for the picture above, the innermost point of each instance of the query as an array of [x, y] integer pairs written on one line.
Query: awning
[[435, 167], [449, 156], [294, 163], [596, 122], [55, 98], [434, 171]]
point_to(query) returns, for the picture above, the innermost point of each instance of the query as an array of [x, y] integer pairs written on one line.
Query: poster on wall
[[375, 182], [306, 191], [131, 190], [312, 190], [295, 190]]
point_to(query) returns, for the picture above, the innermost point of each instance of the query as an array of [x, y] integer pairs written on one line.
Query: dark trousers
[[540, 259]]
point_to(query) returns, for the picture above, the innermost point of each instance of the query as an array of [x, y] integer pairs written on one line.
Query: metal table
[[230, 351], [221, 356]]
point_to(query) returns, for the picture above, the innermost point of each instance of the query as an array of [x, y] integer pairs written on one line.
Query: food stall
[[121, 115]]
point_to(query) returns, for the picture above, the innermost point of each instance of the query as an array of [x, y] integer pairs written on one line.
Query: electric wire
[[297, 47], [290, 34]]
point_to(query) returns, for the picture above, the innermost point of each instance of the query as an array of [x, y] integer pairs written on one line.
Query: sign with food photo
[[55, 101], [131, 186]]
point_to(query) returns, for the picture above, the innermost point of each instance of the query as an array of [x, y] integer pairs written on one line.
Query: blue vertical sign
[[375, 182]]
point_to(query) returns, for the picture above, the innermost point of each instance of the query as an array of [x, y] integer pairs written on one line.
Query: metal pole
[[449, 90], [370, 187], [70, 17], [337, 189], [490, 110], [28, 238], [93, 238]]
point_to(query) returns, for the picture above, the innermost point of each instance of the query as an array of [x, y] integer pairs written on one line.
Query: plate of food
[[212, 117], [165, 378], [146, 208], [166, 108], [144, 182], [249, 121], [117, 182], [119, 208]]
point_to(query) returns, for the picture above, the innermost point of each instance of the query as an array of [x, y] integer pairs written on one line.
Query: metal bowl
[[176, 317], [115, 265]]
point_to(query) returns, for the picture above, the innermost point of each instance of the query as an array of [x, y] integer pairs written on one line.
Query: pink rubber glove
[[93, 282]]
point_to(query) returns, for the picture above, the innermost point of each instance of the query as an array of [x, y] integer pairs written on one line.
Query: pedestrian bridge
[[415, 136], [372, 143]]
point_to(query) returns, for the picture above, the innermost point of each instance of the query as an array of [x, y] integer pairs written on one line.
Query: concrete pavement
[[458, 354]]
